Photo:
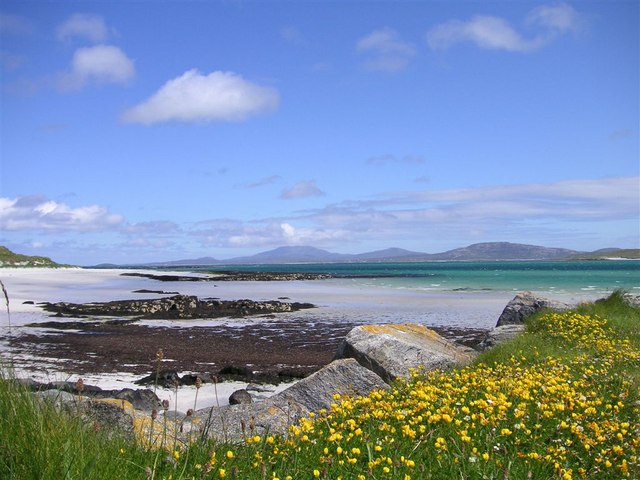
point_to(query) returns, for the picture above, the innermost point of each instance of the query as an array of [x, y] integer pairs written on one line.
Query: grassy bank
[[561, 401]]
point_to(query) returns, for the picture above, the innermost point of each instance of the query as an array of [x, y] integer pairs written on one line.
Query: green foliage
[[11, 259]]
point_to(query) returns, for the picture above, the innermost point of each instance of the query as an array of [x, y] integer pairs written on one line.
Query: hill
[[301, 254], [11, 259], [489, 251], [625, 253], [504, 251]]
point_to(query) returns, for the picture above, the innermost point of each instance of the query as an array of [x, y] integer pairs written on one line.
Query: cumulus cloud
[[86, 26], [41, 214], [496, 33], [388, 53], [302, 190], [194, 97], [102, 64], [266, 233]]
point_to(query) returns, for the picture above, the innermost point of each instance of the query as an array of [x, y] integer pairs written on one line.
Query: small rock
[[240, 397], [163, 378]]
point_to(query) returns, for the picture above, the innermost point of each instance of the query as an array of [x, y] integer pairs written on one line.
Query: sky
[[150, 131]]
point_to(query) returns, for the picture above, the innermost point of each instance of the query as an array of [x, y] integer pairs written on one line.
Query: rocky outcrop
[[139, 399], [524, 305], [175, 307], [277, 413], [391, 351], [501, 334], [230, 276]]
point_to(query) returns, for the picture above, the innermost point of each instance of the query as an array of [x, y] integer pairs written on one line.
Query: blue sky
[[144, 131]]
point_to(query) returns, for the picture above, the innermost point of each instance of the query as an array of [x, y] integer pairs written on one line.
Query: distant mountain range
[[491, 251], [477, 252]]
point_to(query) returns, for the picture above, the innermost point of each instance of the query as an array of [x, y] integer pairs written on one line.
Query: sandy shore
[[290, 344]]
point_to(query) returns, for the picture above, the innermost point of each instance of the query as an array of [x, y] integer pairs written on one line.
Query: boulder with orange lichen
[[394, 350]]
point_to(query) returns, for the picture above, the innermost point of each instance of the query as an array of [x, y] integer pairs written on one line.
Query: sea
[[463, 294], [460, 294], [564, 277]]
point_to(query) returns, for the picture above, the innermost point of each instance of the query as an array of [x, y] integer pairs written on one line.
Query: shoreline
[[284, 345]]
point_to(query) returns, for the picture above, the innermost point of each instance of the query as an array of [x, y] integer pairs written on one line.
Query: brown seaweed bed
[[277, 348]]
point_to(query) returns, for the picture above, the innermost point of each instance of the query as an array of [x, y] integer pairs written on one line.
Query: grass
[[11, 259], [561, 401]]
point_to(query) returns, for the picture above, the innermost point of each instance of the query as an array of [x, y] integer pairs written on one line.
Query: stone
[[276, 414], [190, 378], [140, 399], [110, 414], [631, 299], [525, 304], [500, 335], [393, 350], [163, 378], [240, 397]]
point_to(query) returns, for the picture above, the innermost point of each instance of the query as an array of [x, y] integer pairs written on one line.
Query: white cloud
[[41, 214], [194, 97], [599, 199], [388, 52], [267, 233], [496, 33], [484, 31], [87, 26], [103, 64], [302, 190], [541, 210], [561, 17]]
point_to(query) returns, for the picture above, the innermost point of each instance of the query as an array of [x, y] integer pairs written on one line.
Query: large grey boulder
[[393, 350], [524, 305], [276, 414]]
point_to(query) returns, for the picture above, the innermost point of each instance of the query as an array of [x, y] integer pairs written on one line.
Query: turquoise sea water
[[542, 276]]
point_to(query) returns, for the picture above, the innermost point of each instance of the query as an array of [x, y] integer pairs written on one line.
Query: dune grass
[[561, 401]]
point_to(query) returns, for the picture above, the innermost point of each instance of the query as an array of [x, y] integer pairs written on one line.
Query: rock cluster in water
[[173, 308]]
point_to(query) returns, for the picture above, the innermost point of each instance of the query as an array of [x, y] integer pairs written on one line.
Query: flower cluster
[[531, 414], [549, 418]]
